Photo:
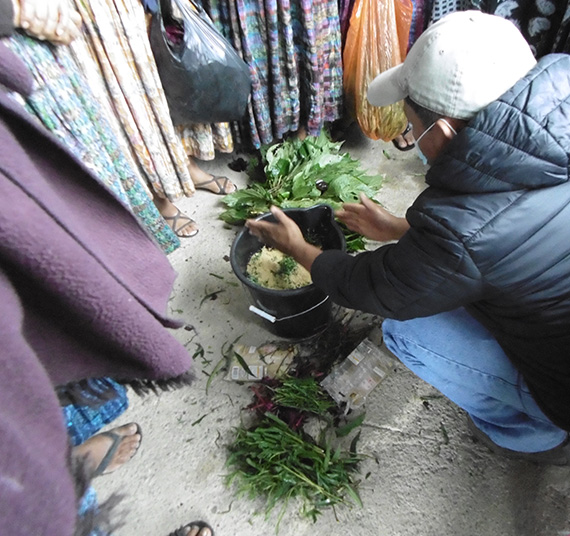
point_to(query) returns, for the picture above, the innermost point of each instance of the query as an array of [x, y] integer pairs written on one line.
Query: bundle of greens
[[302, 174], [302, 394], [276, 459], [272, 461]]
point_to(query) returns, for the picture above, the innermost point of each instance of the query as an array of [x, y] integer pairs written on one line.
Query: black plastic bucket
[[295, 313]]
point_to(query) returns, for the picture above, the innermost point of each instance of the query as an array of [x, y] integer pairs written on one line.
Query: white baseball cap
[[459, 65]]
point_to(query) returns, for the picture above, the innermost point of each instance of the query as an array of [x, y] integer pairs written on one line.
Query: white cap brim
[[387, 88]]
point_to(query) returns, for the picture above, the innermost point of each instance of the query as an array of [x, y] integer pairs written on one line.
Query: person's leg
[[183, 225], [453, 352], [90, 406]]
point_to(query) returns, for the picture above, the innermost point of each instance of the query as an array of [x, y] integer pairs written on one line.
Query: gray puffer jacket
[[491, 233]]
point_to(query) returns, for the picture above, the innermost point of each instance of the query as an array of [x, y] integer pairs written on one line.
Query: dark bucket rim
[[276, 292]]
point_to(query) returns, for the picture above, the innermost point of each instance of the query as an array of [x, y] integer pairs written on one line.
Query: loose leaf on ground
[[243, 364], [350, 426]]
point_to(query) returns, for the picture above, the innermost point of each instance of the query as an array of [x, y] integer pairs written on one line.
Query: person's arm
[[426, 272], [372, 221], [366, 218]]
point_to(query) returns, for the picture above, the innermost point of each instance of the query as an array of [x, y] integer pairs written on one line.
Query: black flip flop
[[117, 439], [407, 130], [183, 531]]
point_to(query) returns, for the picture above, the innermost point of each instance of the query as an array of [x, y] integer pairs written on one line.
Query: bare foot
[[107, 451], [180, 223], [195, 530], [206, 181]]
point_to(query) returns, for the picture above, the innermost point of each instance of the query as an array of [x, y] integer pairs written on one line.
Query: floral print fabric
[[117, 38], [79, 115], [545, 24], [293, 49]]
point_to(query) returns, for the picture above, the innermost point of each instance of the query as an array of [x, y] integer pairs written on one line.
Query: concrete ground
[[428, 477]]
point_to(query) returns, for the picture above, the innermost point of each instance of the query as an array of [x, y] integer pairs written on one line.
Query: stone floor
[[427, 475]]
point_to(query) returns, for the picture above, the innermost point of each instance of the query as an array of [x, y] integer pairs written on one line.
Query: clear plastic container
[[351, 381]]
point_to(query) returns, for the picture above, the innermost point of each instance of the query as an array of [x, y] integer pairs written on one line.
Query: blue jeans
[[453, 352]]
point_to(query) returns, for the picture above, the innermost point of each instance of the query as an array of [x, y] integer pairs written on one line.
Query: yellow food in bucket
[[270, 268]]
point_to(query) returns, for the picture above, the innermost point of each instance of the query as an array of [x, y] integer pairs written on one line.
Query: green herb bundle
[[277, 460], [304, 394], [272, 461], [295, 172]]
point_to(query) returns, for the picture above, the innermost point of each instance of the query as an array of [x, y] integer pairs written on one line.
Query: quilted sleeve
[[427, 272]]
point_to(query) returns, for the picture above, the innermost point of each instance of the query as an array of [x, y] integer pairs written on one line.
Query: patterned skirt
[[293, 49]]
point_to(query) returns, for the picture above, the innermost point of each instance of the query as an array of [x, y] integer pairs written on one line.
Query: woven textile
[[293, 49], [84, 421], [78, 113]]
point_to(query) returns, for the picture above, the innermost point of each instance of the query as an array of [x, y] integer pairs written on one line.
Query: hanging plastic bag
[[204, 79], [377, 40]]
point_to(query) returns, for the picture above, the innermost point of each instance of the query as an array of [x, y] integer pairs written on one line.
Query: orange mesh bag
[[377, 40]]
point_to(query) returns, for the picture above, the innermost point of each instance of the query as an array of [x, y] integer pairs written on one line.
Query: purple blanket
[[83, 293]]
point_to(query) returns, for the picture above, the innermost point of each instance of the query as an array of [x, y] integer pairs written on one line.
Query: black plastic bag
[[204, 79]]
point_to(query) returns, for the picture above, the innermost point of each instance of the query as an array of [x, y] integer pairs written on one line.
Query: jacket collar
[[520, 141]]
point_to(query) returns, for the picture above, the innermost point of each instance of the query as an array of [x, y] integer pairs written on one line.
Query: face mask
[[421, 155]]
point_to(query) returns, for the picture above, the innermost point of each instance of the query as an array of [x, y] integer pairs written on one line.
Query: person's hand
[[372, 221], [52, 20], [285, 236]]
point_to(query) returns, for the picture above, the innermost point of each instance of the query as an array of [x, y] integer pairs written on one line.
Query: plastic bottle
[[362, 370]]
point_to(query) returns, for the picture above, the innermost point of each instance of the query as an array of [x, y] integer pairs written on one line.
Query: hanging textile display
[[419, 13], [201, 140], [117, 37], [545, 25], [293, 49]]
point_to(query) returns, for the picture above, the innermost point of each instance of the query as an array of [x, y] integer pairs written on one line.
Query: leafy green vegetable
[[275, 459], [272, 461], [304, 394], [294, 173]]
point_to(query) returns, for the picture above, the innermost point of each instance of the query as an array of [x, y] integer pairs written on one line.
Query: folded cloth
[[83, 294], [94, 286]]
